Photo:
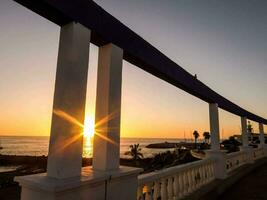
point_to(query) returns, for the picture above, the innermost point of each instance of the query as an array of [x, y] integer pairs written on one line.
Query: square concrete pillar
[[65, 147], [215, 153], [262, 138], [249, 151], [106, 148], [244, 131], [220, 171], [214, 126], [64, 180], [123, 182]]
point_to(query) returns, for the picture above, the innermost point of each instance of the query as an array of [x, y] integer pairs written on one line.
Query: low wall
[[217, 187]]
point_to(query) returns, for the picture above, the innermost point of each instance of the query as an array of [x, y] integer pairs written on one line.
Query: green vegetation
[[135, 152], [169, 159], [206, 136], [231, 145]]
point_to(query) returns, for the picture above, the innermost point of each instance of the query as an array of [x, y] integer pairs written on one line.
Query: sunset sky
[[223, 42]]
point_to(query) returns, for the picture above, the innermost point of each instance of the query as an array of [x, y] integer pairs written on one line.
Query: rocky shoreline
[[168, 145]]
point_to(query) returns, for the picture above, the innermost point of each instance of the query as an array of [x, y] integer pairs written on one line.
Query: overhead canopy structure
[[106, 28]]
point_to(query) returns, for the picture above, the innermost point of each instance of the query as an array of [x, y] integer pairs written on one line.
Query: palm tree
[[206, 136], [196, 136], [135, 152]]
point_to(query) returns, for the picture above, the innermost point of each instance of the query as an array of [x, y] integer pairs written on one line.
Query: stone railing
[[235, 160], [258, 153], [175, 182]]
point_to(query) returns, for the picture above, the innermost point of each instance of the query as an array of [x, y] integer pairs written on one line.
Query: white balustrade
[[175, 182], [258, 153], [235, 160]]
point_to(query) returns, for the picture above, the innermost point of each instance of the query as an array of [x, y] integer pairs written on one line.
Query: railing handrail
[[234, 154], [258, 149], [152, 176]]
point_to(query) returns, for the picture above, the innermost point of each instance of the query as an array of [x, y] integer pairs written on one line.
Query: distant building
[[252, 137]]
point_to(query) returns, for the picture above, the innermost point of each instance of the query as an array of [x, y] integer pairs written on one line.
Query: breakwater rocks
[[169, 145]]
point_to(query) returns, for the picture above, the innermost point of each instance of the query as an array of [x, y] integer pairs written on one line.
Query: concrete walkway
[[251, 187]]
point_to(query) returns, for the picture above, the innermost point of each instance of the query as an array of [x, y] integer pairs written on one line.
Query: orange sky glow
[[151, 108]]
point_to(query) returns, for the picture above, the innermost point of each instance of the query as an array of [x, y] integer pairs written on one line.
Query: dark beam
[[105, 28]]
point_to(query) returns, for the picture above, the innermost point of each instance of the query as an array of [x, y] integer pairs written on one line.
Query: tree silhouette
[[206, 136], [196, 136], [135, 152]]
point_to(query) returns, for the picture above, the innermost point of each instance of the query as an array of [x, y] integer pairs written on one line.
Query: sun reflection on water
[[88, 136], [90, 128]]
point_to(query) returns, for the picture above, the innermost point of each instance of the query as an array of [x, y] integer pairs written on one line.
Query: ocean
[[38, 145]]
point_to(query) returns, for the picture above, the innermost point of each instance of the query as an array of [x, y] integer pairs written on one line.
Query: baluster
[[185, 186], [170, 188], [193, 179], [148, 195], [140, 193], [201, 176], [197, 176], [181, 185], [244, 158], [208, 173], [176, 188], [189, 181], [211, 171], [238, 161], [235, 162], [247, 157], [205, 172], [156, 193], [163, 189]]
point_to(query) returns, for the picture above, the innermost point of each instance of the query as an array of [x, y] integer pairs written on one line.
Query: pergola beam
[[107, 29]]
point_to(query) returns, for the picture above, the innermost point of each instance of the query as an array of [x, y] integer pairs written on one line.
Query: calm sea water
[[37, 146]]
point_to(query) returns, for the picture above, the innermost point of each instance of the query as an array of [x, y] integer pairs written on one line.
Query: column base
[[264, 146], [94, 185], [249, 152], [220, 158]]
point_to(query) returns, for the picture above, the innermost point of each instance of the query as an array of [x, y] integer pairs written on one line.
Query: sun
[[89, 127]]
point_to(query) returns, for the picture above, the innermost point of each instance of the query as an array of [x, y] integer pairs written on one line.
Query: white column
[[262, 138], [65, 147], [106, 150], [64, 179], [215, 153], [244, 131], [214, 126], [122, 182], [245, 147]]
